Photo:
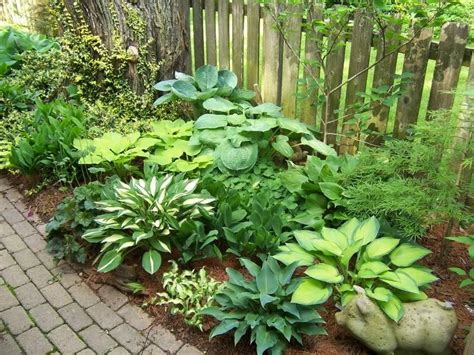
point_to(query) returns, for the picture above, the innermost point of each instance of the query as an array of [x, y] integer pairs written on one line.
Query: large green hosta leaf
[[206, 77], [237, 158]]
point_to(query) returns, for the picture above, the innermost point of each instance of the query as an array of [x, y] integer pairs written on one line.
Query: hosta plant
[[468, 276], [261, 306], [187, 293], [145, 215], [354, 254]]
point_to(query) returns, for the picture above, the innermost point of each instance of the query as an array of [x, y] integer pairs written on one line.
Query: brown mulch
[[337, 342]]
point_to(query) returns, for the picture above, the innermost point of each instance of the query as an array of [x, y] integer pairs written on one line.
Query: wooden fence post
[[198, 34], [271, 57], [253, 43], [448, 66], [290, 60], [185, 10], [238, 39], [224, 40], [416, 60], [312, 70], [384, 75], [359, 60], [210, 7]]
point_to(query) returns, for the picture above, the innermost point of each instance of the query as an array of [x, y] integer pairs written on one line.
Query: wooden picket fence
[[268, 62]]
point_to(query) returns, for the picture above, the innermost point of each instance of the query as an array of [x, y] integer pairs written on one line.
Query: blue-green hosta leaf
[[267, 109], [406, 254], [263, 124], [265, 339], [163, 99], [293, 126], [151, 261], [224, 327], [267, 281], [291, 252], [226, 82], [237, 159], [236, 119], [282, 146], [421, 275], [206, 77], [372, 269], [110, 261], [393, 308], [164, 85], [399, 280], [293, 179], [240, 332], [318, 146], [265, 299], [218, 104], [333, 235], [183, 76], [381, 247], [324, 272], [311, 292], [251, 267], [184, 90], [242, 94], [367, 230]]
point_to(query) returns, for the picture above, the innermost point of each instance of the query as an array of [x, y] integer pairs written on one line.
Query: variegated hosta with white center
[[144, 214]]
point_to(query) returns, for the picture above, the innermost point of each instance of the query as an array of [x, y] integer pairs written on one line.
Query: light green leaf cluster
[[355, 254], [469, 276]]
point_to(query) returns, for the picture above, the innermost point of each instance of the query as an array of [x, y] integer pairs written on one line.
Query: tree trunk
[[148, 30]]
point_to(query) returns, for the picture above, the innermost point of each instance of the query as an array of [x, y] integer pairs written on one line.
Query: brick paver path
[[46, 308]]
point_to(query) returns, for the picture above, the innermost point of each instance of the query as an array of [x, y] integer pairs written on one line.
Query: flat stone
[[56, 295], [40, 276], [8, 346], [135, 316], [75, 316], [86, 352], [13, 195], [112, 297], [83, 295], [66, 340], [35, 242], [13, 243], [189, 350], [104, 316], [165, 339], [41, 228], [12, 216], [46, 317], [47, 259], [29, 296], [5, 229], [5, 204], [24, 228], [98, 339], [67, 276], [34, 342], [7, 299], [153, 350], [16, 320], [6, 260], [128, 338], [14, 276], [119, 351], [26, 259]]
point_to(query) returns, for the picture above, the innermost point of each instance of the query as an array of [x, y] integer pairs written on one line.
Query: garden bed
[[338, 341]]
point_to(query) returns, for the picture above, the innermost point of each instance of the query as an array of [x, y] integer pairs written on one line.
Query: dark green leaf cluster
[[261, 305]]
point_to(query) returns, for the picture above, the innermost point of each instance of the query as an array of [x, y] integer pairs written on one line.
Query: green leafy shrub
[[145, 214], [261, 305], [187, 293], [409, 183], [47, 146], [352, 255], [5, 152], [469, 241]]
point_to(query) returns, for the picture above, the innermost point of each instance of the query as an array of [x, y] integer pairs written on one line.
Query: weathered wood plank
[[384, 75], [290, 60], [186, 23], [211, 40], [271, 55], [333, 77], [313, 43], [198, 34], [452, 42], [253, 42], [238, 39], [224, 40], [359, 60], [416, 60]]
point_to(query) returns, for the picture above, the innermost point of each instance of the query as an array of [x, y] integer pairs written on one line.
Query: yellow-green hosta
[[145, 214], [355, 254]]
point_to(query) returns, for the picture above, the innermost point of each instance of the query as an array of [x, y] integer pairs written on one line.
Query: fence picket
[[416, 60], [198, 34], [185, 11], [271, 55], [359, 60], [290, 60], [238, 39], [253, 42], [448, 66], [224, 40], [211, 43]]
